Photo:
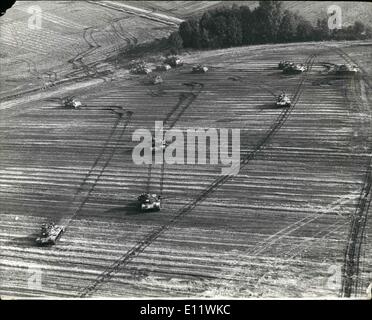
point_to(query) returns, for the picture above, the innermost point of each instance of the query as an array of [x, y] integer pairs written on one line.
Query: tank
[[163, 67], [199, 69], [345, 69], [157, 80], [139, 67], [141, 70], [173, 61], [50, 233], [149, 202], [294, 68], [283, 101], [72, 103], [283, 64]]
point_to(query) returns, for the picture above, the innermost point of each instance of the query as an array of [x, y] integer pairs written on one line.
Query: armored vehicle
[[73, 103], [163, 67], [283, 64], [294, 68], [149, 201], [283, 101], [345, 69], [50, 233], [173, 61], [199, 69]]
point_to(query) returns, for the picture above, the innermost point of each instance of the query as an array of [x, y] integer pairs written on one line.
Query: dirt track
[[73, 44], [293, 223]]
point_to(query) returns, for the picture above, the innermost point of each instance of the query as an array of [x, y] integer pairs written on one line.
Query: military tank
[[345, 69], [173, 61], [283, 64], [294, 68], [149, 202], [139, 67], [163, 67], [283, 101], [199, 69], [72, 102], [50, 233], [157, 80]]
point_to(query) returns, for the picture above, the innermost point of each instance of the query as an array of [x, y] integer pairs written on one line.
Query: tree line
[[268, 23]]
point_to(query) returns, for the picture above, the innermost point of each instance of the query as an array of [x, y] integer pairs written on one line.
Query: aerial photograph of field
[[280, 211]]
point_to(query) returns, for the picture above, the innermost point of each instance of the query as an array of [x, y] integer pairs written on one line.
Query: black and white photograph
[[186, 150]]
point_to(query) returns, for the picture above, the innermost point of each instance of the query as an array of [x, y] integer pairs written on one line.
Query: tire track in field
[[32, 69], [89, 69], [298, 250], [192, 97], [184, 101], [142, 13], [261, 247], [96, 171], [363, 204], [152, 236], [103, 150], [77, 61], [356, 237], [121, 33]]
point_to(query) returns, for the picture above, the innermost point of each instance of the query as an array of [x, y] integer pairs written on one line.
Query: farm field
[[75, 40], [292, 223], [312, 10]]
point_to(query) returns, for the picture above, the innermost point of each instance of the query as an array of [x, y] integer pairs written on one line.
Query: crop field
[[312, 10], [75, 39], [292, 223]]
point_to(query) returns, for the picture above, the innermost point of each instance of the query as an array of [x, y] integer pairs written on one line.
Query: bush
[[268, 23], [175, 42]]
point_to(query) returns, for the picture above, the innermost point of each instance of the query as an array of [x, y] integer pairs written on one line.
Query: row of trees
[[267, 23]]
